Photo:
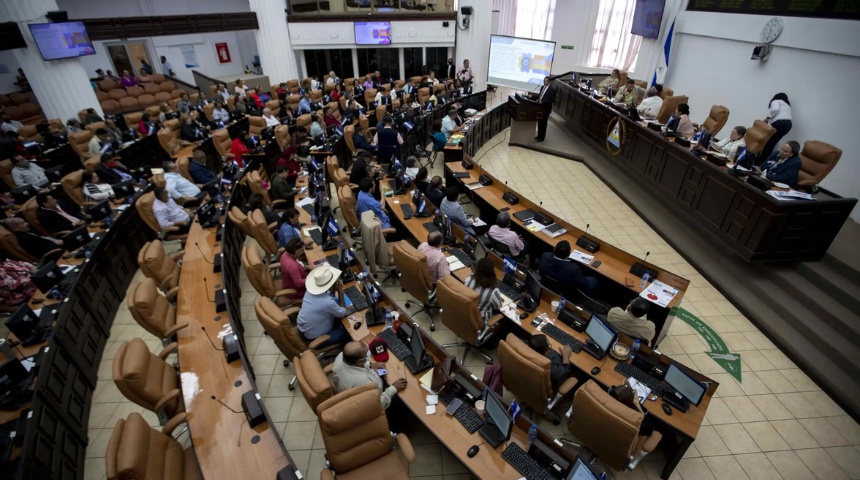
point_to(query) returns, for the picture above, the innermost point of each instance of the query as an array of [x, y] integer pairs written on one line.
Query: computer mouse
[[523, 315], [667, 409], [595, 370], [309, 247], [473, 450], [356, 325]]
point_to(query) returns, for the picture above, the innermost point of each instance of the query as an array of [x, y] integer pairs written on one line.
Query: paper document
[[534, 226], [474, 185], [639, 388], [659, 293], [581, 257], [305, 201], [455, 265], [790, 195], [307, 231], [477, 222]]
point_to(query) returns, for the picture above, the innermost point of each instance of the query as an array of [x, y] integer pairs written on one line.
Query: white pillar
[[474, 44], [61, 86], [273, 41]]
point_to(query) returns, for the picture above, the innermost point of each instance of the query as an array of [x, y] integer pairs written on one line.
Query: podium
[[525, 113]]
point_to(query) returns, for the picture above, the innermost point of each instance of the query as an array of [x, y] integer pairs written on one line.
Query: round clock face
[[771, 30]]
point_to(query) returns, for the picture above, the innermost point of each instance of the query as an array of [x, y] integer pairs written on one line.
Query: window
[[320, 62], [413, 60], [437, 60], [613, 46], [383, 59]]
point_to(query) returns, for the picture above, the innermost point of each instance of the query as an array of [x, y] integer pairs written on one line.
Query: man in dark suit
[[546, 97], [34, 244], [54, 218], [782, 166]]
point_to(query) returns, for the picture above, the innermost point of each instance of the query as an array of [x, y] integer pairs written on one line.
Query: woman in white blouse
[[239, 88], [318, 127], [779, 117], [94, 190], [729, 146]]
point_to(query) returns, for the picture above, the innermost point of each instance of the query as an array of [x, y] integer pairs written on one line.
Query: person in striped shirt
[[484, 282]]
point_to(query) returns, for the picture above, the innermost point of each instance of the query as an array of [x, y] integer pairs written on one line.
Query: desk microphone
[[210, 340], [206, 284], [219, 301], [589, 245], [204, 256], [510, 197], [225, 405], [587, 225], [646, 256]]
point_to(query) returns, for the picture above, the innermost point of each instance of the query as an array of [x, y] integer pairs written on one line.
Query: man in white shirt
[[9, 125], [220, 114], [96, 143], [651, 105], [332, 78], [271, 121], [179, 188], [222, 92], [353, 368], [449, 125], [465, 75], [27, 173], [168, 213]]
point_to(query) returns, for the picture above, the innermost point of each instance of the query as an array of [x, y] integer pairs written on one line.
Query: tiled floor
[[775, 424]]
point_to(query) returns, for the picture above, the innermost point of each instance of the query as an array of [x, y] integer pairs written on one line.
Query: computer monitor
[[54, 174], [100, 211], [123, 189], [498, 415], [580, 471], [76, 239], [672, 124], [12, 374], [690, 388], [47, 277], [600, 333], [533, 288], [25, 324], [480, 250], [416, 345]]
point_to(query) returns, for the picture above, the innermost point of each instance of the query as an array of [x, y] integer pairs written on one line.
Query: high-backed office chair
[[369, 96], [6, 167], [423, 96], [341, 178], [380, 112], [147, 379], [262, 281], [183, 164], [304, 120], [280, 326], [30, 211], [80, 142], [221, 141], [293, 101], [207, 111], [666, 93], [460, 313], [156, 264], [132, 119], [622, 80], [262, 234], [348, 134], [313, 382], [818, 159], [414, 277], [137, 451], [255, 183], [168, 141], [282, 136], [757, 136], [416, 80], [274, 106], [293, 85], [239, 219], [526, 374], [346, 200], [92, 163], [151, 310], [331, 165], [144, 208], [93, 127], [72, 184], [256, 125], [9, 245], [669, 106], [717, 118], [609, 428], [357, 438], [316, 96]]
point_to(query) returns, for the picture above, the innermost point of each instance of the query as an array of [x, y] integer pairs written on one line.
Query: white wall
[[474, 44], [573, 25], [711, 64], [136, 8], [306, 35], [7, 80]]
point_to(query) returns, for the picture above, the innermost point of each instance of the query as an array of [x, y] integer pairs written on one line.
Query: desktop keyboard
[[462, 256], [407, 211], [562, 337], [309, 209], [356, 297], [395, 345], [430, 227], [509, 292], [593, 306], [629, 370], [528, 466], [316, 236], [333, 259], [465, 415]]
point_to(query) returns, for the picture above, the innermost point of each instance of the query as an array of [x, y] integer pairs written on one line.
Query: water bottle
[[634, 349], [532, 434], [560, 305], [54, 293], [87, 253], [389, 319], [645, 279]]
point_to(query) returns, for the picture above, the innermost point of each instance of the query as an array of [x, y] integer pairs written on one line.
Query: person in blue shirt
[[783, 166], [366, 202], [439, 140], [323, 305], [289, 227], [454, 211], [360, 141], [305, 104], [198, 169]]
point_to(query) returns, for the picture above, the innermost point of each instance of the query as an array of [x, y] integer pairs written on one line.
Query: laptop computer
[[100, 211], [77, 238], [30, 328], [525, 215]]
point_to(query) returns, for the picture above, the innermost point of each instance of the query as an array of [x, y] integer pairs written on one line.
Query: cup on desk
[[479, 407], [554, 305]]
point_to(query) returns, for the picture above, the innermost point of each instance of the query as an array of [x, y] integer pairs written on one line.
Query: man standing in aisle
[[546, 97], [465, 76]]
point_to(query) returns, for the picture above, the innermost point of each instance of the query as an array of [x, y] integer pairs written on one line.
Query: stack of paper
[[659, 293], [454, 264], [581, 257]]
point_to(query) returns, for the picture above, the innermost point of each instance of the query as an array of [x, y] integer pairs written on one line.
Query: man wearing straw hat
[[323, 306]]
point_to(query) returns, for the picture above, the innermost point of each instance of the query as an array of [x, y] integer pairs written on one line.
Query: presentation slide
[[62, 40], [372, 33], [519, 63], [647, 18]]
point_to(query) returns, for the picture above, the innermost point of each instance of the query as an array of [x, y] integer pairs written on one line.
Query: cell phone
[[505, 209], [381, 372], [596, 263], [536, 322], [453, 406]]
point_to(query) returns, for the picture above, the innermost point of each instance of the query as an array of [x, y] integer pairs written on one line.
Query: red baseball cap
[[379, 350]]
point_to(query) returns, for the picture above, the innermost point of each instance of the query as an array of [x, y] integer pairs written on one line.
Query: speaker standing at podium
[[545, 98]]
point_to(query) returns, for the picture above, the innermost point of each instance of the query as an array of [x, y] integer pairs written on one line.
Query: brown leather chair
[[757, 136], [239, 219], [92, 163], [331, 165], [349, 83], [380, 112], [316, 96], [255, 182], [110, 107], [144, 208], [117, 94], [526, 374], [6, 167], [132, 119], [293, 85], [183, 164], [256, 125], [293, 101], [147, 379], [348, 133], [669, 106], [341, 178], [818, 159], [207, 110], [313, 382], [608, 428], [30, 210], [414, 276], [416, 80], [137, 451], [147, 100], [262, 234], [369, 96], [108, 84], [72, 184], [80, 142], [274, 106], [280, 326], [717, 118], [129, 103], [423, 96], [262, 281], [364, 122], [346, 201], [357, 438], [9, 245], [460, 313], [304, 120], [151, 310], [622, 80], [222, 142], [164, 97], [168, 141], [156, 264], [333, 108], [282, 136], [174, 126], [135, 91]]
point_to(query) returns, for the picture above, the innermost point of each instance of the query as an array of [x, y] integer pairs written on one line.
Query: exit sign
[[567, 47]]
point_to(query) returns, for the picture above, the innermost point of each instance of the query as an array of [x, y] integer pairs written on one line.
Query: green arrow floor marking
[[731, 362]]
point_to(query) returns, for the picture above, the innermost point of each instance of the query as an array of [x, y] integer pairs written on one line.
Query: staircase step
[[842, 288]]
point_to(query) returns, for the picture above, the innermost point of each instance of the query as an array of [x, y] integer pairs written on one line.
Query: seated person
[[96, 143], [255, 202], [323, 306], [238, 148], [729, 146], [609, 82], [300, 137], [439, 138], [192, 130], [293, 271], [54, 218], [304, 104], [290, 227], [318, 127], [353, 368], [198, 169], [484, 282], [501, 232], [32, 243], [281, 188], [17, 286], [9, 125], [449, 124], [146, 125], [220, 114], [26, 172], [329, 117], [271, 120], [560, 368], [651, 105], [685, 125], [180, 189], [411, 164], [435, 192], [628, 94], [625, 394], [93, 188], [437, 264], [114, 134], [112, 171], [360, 168], [361, 142], [167, 213], [366, 202], [92, 117], [634, 320], [783, 165], [454, 211], [420, 179], [183, 106], [557, 266], [289, 160]]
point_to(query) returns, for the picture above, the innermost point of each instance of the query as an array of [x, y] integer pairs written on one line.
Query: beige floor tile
[[316, 463], [847, 427], [776, 382], [823, 403], [709, 443], [770, 406], [751, 384], [737, 439], [756, 361], [100, 415], [729, 387], [847, 458], [451, 465], [428, 460], [299, 435], [694, 468], [759, 340], [98, 442], [279, 387], [302, 458], [798, 405], [765, 436], [719, 413], [300, 411], [726, 468], [757, 466], [94, 469], [823, 432], [654, 469], [744, 409], [265, 364], [794, 434], [692, 343], [692, 452], [799, 380], [821, 464], [279, 409], [789, 465], [778, 359]]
